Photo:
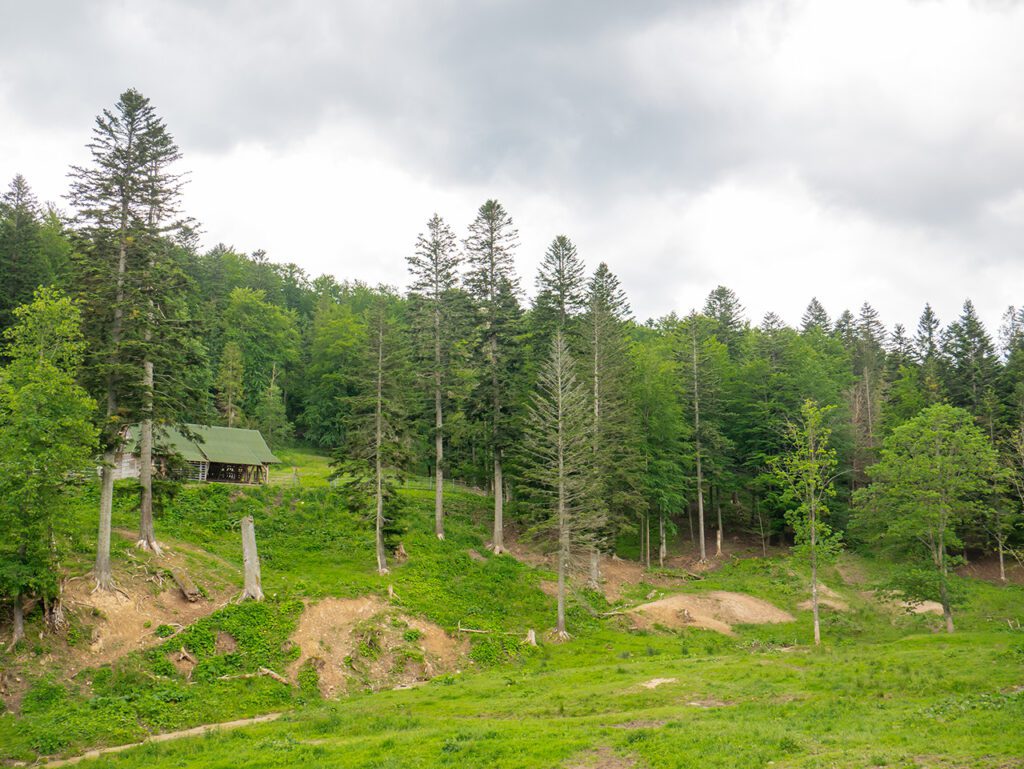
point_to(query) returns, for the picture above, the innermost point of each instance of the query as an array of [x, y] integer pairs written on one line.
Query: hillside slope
[[643, 682]]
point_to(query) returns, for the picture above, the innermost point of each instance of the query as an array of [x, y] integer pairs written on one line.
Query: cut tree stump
[[186, 585], [253, 583]]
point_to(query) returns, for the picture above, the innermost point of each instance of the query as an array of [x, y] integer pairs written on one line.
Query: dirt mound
[[924, 607], [716, 610], [827, 597], [363, 643]]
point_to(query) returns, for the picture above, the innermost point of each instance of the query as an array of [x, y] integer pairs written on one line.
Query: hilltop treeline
[[175, 334]]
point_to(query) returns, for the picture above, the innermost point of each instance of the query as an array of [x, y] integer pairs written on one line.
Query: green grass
[[884, 690], [921, 701]]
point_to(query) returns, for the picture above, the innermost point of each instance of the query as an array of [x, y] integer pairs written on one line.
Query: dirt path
[[195, 731]]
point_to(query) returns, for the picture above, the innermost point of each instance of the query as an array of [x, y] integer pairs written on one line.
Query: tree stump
[[253, 582]]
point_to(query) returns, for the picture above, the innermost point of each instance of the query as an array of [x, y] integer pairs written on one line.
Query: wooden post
[[253, 583]]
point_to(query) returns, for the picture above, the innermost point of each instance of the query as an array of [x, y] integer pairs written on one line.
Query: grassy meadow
[[885, 689]]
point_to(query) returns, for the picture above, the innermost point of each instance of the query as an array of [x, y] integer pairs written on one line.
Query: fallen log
[[186, 585]]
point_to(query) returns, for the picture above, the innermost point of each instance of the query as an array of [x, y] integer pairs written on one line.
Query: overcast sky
[[854, 150]]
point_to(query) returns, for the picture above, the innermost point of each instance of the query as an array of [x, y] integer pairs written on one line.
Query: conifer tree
[[815, 317], [615, 440], [702, 361], [368, 464], [724, 308], [558, 440], [270, 415], [561, 294], [927, 343], [434, 269], [22, 262], [230, 387], [127, 203], [973, 375], [491, 281], [845, 329]]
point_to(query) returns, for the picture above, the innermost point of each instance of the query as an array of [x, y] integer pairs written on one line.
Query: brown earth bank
[[716, 610], [105, 626], [363, 643]]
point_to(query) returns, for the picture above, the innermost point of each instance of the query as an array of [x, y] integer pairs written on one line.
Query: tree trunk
[[18, 630], [382, 563], [499, 505], [104, 575], [718, 512], [438, 432], [696, 435], [250, 558], [647, 536], [662, 545], [595, 569], [814, 576], [102, 570], [563, 520], [947, 611], [760, 527], [147, 534], [1002, 565]]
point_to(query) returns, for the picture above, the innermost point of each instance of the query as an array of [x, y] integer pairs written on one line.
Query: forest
[[581, 420], [507, 485]]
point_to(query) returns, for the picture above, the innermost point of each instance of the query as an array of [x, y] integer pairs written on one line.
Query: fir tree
[[368, 464], [434, 268], [558, 439], [22, 262], [724, 308], [491, 281], [815, 317], [127, 203], [230, 387]]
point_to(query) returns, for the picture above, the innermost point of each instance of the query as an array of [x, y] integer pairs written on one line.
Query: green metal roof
[[224, 445]]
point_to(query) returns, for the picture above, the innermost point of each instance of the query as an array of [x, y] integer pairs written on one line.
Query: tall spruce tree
[[616, 444], [561, 295], [23, 265], [435, 273], [927, 345], [126, 201], [724, 308], [367, 466], [815, 317], [973, 374], [491, 281], [230, 387], [558, 440]]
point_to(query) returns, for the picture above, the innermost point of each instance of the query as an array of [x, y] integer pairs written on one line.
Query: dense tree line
[[683, 418]]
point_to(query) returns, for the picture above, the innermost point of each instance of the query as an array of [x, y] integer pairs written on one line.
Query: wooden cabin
[[201, 453]]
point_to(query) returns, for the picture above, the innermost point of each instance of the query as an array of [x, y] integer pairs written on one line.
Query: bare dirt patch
[[709, 703], [924, 607], [601, 758], [654, 683], [361, 643], [716, 610], [126, 620]]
